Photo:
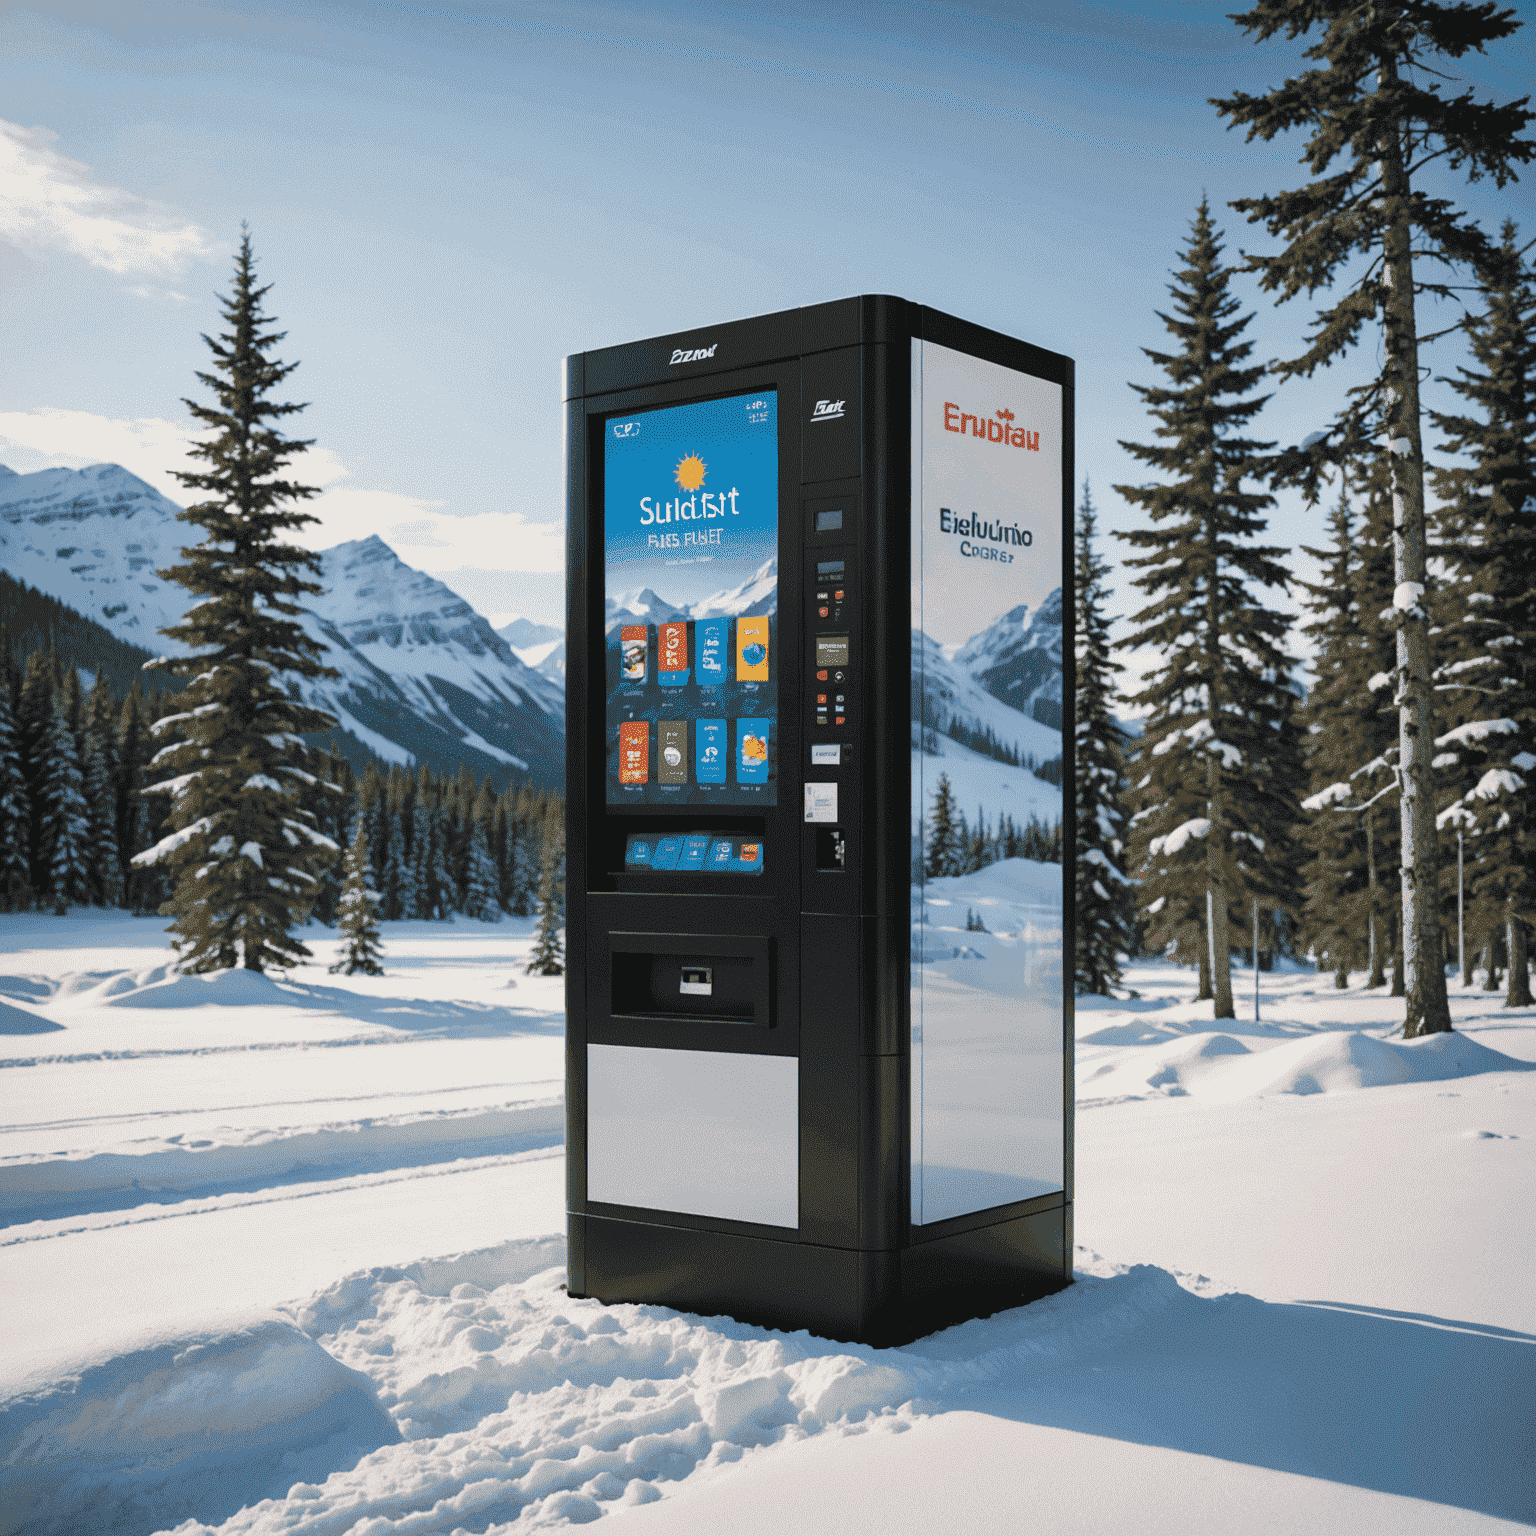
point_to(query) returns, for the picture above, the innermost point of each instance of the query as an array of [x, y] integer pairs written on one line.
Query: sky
[[448, 201]]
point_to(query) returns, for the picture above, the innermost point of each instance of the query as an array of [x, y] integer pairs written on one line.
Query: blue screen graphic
[[691, 581]]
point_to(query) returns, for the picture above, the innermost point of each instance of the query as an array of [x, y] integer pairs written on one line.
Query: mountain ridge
[[425, 677]]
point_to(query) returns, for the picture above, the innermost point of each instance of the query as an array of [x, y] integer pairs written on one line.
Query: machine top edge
[[756, 340]]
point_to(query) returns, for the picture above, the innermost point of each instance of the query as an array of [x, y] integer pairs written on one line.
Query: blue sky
[[448, 201]]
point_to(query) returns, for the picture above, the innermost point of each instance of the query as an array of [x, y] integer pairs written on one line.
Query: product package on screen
[[672, 654], [713, 639], [752, 650], [633, 656], [818, 1068]]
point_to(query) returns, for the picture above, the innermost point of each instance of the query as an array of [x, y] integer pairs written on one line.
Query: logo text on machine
[[697, 355], [828, 410]]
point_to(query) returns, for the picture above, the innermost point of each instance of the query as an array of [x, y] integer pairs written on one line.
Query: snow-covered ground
[[285, 1255]]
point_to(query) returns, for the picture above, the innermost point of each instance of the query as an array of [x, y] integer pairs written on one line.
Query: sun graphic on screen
[[690, 472]]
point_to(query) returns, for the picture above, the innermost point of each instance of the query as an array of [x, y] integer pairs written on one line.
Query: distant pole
[[1255, 959], [1461, 912]]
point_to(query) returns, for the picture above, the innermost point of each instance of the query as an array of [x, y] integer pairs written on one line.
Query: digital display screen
[[691, 618], [831, 651]]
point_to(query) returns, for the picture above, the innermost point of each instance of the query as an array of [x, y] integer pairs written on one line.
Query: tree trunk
[[1373, 906], [1341, 975], [1468, 962], [1216, 903], [1491, 970], [1428, 1010], [1204, 954], [1519, 995], [1398, 989]]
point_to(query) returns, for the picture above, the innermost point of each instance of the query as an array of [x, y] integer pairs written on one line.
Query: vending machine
[[819, 675]]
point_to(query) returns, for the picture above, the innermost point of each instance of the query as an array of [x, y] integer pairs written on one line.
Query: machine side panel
[[706, 1133], [986, 944]]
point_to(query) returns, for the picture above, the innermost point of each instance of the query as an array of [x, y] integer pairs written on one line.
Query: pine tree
[[358, 913], [100, 772], [1214, 813], [1337, 879], [15, 814], [65, 819], [243, 849], [480, 882], [944, 840], [1488, 756], [1105, 906], [34, 716], [548, 957], [1375, 101]]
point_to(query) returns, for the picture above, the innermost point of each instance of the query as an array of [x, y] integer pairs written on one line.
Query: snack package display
[[752, 751], [634, 751], [709, 751], [713, 639], [634, 644], [672, 752], [752, 650], [672, 654]]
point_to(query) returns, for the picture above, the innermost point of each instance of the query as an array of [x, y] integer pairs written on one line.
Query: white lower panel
[[706, 1133]]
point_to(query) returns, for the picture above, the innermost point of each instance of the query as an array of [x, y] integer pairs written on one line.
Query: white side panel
[[987, 1002], [705, 1133]]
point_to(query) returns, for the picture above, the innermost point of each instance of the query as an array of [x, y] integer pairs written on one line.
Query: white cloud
[[51, 203], [150, 446], [435, 541]]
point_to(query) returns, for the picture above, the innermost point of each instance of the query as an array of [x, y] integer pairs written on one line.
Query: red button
[[821, 677], [821, 698], [838, 595], [839, 720], [821, 613]]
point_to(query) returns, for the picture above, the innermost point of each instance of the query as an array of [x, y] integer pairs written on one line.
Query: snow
[[976, 780], [289, 1253], [1477, 730], [1498, 781], [1196, 826], [1379, 680]]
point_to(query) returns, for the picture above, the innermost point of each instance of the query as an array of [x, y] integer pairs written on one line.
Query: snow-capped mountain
[[424, 676], [1018, 660], [949, 692], [521, 633], [755, 598]]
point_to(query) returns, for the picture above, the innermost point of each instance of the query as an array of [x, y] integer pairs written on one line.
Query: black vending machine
[[819, 628]]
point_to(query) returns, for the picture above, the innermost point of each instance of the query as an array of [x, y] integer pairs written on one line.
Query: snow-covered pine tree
[[65, 819], [1374, 103], [243, 849], [1106, 913], [480, 882], [1337, 921], [357, 914], [548, 958], [1212, 812], [15, 816], [1488, 756]]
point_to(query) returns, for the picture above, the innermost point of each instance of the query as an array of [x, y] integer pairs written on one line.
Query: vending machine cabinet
[[817, 1076]]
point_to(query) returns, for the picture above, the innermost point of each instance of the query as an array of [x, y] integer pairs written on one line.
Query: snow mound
[[189, 1427], [1220, 1067], [237, 988], [20, 1021]]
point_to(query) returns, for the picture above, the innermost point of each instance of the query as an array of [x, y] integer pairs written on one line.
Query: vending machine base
[[887, 1297]]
